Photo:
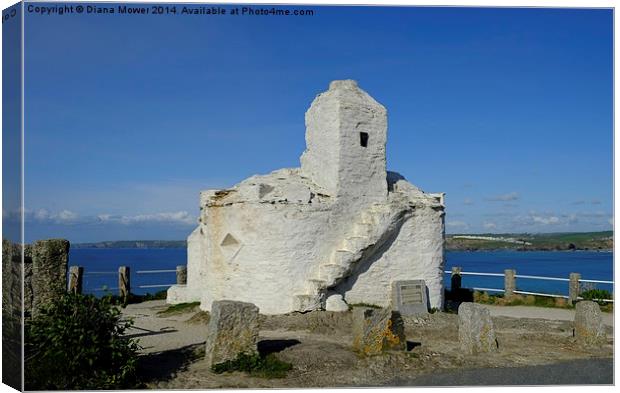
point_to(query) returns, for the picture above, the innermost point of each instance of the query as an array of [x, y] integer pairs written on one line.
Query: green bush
[[265, 367], [592, 294], [77, 343]]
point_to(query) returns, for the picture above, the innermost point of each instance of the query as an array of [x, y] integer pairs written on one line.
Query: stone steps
[[354, 243], [305, 302], [341, 257], [315, 285], [362, 229], [330, 272], [340, 261]]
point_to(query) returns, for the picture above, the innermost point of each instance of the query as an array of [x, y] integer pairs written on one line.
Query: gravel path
[[537, 347], [572, 372], [548, 313], [157, 333]]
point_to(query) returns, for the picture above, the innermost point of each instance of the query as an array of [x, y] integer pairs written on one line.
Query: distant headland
[[134, 244], [561, 241], [593, 241]]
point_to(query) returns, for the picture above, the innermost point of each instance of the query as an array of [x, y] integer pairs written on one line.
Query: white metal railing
[[540, 294], [524, 276], [488, 289], [541, 278], [596, 281], [155, 272], [124, 282], [155, 285]]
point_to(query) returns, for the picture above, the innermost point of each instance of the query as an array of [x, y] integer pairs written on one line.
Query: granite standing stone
[[232, 330], [11, 314], [409, 297], [11, 278], [573, 287], [49, 271], [377, 330], [181, 275], [510, 282], [589, 328], [76, 275], [476, 331]]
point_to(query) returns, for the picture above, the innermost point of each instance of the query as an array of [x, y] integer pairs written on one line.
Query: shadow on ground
[[266, 347], [163, 366]]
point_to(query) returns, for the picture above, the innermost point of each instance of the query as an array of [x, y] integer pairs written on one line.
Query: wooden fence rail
[[510, 283]]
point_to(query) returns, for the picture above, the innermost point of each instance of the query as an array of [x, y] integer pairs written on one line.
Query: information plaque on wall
[[409, 297]]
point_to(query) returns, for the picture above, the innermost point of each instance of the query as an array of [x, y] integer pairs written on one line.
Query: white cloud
[[468, 201], [552, 220], [43, 215], [68, 217], [489, 225], [457, 224], [180, 217], [511, 196]]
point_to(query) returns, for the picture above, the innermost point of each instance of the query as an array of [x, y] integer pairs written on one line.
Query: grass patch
[[201, 317], [264, 367], [366, 305], [179, 308], [520, 300], [543, 301]]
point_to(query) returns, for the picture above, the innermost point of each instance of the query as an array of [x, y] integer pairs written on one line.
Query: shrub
[[592, 294], [133, 298], [77, 343], [160, 295], [265, 367]]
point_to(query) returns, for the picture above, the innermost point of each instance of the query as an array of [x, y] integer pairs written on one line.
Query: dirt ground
[[317, 344]]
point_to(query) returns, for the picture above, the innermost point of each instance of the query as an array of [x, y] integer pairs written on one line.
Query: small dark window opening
[[364, 139]]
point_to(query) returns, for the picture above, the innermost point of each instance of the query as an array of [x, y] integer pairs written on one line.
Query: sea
[[101, 268]]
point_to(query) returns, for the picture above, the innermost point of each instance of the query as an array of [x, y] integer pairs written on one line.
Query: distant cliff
[[134, 244], [531, 242], [454, 242]]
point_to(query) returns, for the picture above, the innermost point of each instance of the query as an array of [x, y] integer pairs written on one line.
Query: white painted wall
[[262, 240]]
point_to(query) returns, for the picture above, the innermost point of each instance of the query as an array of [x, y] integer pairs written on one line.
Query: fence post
[[573, 287], [510, 282], [181, 275], [455, 279], [75, 279], [124, 287]]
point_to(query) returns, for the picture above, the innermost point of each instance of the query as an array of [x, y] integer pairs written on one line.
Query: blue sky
[[508, 111]]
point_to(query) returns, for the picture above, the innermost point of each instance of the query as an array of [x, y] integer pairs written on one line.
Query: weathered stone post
[[49, 271], [232, 330], [181, 275], [589, 328], [455, 279], [573, 287], [377, 330], [476, 330], [124, 287], [510, 282], [75, 279]]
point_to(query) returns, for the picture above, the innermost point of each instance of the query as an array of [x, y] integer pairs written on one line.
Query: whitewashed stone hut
[[339, 230]]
